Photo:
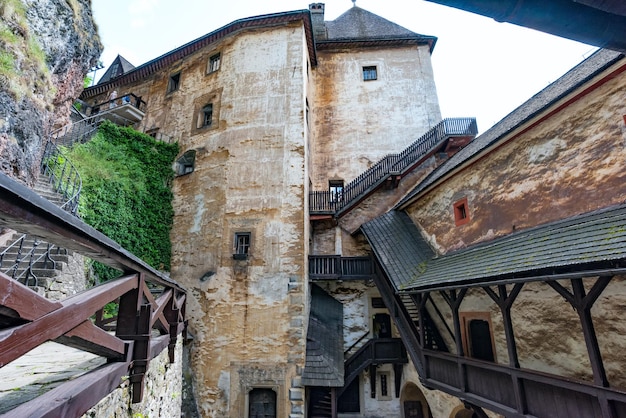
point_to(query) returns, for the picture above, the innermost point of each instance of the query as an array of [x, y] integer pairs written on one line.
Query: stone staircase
[[30, 260]]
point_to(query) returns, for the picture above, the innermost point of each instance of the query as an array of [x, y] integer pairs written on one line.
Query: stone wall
[[162, 395]]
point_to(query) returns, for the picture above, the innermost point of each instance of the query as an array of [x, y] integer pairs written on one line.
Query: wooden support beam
[[17, 341], [454, 300]]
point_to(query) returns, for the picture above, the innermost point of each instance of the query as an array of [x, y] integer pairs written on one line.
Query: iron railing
[[336, 267], [327, 202], [62, 176], [124, 100]]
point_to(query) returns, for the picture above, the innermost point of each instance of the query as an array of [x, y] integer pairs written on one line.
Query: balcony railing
[[325, 202], [127, 107], [336, 267]]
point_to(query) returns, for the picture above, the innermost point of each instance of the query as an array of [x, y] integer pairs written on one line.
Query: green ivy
[[126, 192]]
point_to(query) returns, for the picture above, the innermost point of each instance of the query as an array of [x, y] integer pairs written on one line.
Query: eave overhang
[[348, 43], [171, 57]]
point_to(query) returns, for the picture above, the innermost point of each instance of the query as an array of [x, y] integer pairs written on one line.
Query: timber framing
[[151, 314], [567, 265]]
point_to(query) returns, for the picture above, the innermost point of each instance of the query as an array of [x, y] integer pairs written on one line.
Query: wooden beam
[[17, 341], [76, 396]]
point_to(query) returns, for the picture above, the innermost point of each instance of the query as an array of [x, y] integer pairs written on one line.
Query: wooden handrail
[[34, 320]]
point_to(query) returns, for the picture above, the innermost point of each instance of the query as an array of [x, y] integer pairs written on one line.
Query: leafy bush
[[126, 192]]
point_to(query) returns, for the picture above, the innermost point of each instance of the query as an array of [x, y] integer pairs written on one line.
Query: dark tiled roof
[[577, 76], [399, 246], [324, 345], [596, 240], [358, 26], [123, 66]]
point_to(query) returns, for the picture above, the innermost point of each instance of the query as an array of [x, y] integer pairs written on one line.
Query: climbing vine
[[126, 192]]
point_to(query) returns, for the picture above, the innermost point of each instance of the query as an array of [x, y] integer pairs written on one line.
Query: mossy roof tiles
[[584, 243]]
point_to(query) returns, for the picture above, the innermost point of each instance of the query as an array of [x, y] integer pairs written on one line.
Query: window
[[335, 187], [242, 245], [174, 83], [378, 303], [385, 392], [214, 63], [186, 163], [207, 115], [477, 335], [369, 73], [461, 212]]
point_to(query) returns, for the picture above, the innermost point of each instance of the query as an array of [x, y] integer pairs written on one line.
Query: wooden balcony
[[336, 267], [125, 110]]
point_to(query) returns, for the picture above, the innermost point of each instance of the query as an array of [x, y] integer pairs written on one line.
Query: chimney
[[317, 20]]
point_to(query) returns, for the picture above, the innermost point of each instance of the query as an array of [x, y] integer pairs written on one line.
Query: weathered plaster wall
[[247, 316], [358, 122], [162, 392], [571, 163]]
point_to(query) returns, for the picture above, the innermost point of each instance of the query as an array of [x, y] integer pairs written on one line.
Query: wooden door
[[413, 409], [262, 403]]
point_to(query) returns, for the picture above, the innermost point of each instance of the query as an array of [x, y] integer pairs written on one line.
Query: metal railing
[[334, 267], [62, 176], [326, 202], [124, 100]]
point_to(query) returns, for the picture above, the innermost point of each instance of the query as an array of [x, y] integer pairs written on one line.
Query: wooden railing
[[375, 351], [336, 267], [514, 390], [325, 202], [151, 312]]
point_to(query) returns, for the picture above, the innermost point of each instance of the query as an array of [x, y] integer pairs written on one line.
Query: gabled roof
[[584, 245], [539, 103], [118, 67], [360, 26], [168, 58]]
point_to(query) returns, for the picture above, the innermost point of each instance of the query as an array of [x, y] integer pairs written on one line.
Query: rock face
[[47, 47]]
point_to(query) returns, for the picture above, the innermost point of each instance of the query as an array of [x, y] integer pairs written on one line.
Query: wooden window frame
[[465, 318], [241, 250], [461, 212], [214, 63]]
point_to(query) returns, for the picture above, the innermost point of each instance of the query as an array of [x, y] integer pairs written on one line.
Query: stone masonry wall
[[162, 392]]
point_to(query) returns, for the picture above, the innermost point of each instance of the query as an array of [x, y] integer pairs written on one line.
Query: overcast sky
[[482, 68]]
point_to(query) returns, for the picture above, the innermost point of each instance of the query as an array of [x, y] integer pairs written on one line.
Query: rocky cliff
[[46, 49]]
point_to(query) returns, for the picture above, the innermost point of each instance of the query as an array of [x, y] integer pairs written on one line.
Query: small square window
[[214, 63], [242, 245], [174, 83], [461, 212], [370, 73]]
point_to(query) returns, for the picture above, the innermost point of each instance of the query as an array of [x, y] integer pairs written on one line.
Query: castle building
[[348, 253]]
